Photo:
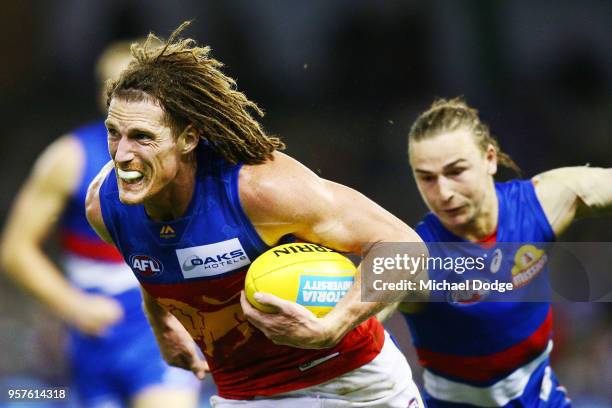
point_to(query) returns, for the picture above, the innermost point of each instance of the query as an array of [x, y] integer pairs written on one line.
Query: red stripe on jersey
[[489, 241], [491, 366], [244, 363], [93, 248]]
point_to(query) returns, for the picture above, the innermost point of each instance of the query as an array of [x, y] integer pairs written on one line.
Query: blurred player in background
[[489, 354], [113, 355], [196, 190]]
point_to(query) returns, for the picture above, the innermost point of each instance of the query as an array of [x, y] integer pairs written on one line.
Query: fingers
[[254, 316], [95, 314], [200, 367], [249, 311], [271, 300], [266, 299], [246, 306]]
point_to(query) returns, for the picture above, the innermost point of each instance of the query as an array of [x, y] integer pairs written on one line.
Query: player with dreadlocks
[[195, 191]]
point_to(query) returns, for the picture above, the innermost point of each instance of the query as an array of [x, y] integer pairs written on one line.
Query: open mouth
[[454, 211], [129, 176]]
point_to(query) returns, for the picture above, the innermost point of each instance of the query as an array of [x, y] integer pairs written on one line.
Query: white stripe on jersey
[[109, 277], [498, 394]]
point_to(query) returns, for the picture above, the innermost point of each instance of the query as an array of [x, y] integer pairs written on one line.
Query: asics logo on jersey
[[145, 265], [213, 259]]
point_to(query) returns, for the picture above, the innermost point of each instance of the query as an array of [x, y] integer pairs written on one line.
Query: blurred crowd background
[[341, 82]]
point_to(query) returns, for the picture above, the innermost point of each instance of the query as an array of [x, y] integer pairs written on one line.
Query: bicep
[[558, 202], [284, 197], [570, 192], [344, 219]]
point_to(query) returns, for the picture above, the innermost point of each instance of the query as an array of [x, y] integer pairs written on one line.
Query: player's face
[[453, 174], [143, 148]]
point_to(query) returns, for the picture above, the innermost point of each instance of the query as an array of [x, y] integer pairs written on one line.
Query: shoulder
[[283, 197], [279, 185], [93, 207], [53, 171], [567, 192], [280, 168]]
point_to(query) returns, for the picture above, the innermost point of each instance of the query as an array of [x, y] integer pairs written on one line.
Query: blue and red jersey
[[119, 364], [90, 263], [481, 342], [195, 268], [78, 238]]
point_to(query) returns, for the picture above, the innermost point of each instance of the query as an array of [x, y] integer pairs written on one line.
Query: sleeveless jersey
[[91, 263], [478, 342], [195, 268]]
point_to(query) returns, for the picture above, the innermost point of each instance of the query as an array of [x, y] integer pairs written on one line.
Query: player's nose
[[123, 152], [445, 190]]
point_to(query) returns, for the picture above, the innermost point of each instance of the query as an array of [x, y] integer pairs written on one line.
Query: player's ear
[[188, 140], [491, 159]]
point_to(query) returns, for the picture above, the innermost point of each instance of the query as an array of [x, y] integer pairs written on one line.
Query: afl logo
[[468, 296], [146, 265]]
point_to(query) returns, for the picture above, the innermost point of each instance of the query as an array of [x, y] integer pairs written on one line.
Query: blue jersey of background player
[[486, 353], [112, 352]]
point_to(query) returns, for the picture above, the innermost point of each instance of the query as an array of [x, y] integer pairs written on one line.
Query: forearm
[[33, 271], [352, 311], [386, 312], [175, 343], [162, 322], [157, 316], [574, 191]]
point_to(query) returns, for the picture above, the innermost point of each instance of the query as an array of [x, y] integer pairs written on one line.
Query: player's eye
[[112, 133], [427, 179], [142, 136], [455, 172]]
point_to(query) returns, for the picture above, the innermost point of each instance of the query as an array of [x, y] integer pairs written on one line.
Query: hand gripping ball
[[308, 274]]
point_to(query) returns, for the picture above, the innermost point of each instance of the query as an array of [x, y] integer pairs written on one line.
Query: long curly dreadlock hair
[[191, 89]]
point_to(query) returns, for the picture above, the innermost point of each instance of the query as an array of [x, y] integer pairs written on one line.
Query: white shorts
[[385, 382]]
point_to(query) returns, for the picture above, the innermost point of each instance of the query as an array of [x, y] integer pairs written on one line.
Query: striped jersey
[[471, 341]]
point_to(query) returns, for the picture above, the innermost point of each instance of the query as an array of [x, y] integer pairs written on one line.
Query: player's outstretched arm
[[35, 212], [283, 197], [570, 192]]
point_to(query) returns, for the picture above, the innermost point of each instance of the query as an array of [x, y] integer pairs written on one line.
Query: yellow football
[[308, 274]]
